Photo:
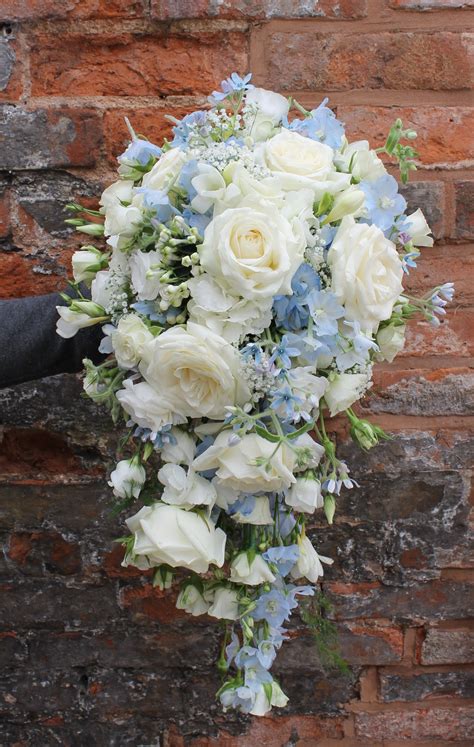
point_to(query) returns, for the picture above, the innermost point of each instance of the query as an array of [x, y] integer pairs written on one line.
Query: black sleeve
[[30, 348]]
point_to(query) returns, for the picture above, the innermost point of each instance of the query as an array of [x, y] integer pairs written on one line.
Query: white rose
[[391, 340], [345, 389], [253, 252], [226, 315], [145, 275], [300, 163], [236, 466], [418, 229], [128, 478], [169, 534], [250, 573], [242, 184], [185, 489], [225, 605], [129, 340], [192, 601], [147, 408], [181, 450], [267, 109], [363, 162], [165, 170], [366, 273], [305, 495], [196, 368], [260, 514], [309, 563]]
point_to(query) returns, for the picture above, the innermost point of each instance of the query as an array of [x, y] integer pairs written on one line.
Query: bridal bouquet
[[251, 276]]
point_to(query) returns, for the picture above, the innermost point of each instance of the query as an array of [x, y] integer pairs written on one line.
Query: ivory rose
[[366, 273], [165, 170], [129, 340]]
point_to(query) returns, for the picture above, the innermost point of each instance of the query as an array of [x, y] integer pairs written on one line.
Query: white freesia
[[309, 564], [192, 601], [418, 229], [129, 340], [116, 194], [197, 369], [171, 535], [260, 515], [265, 111], [165, 170], [145, 274], [85, 264], [345, 389], [348, 202], [180, 449], [366, 273], [225, 605], [362, 161], [250, 573], [128, 478], [236, 466], [185, 488], [122, 220], [305, 495], [302, 163], [226, 315], [70, 322], [146, 409], [252, 251], [391, 340]]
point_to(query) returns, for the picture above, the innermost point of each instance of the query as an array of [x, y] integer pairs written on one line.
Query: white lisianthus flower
[[313, 451], [196, 369], [146, 409], [344, 389], [305, 495], [192, 601], [366, 271], [362, 161], [391, 340], [122, 220], [252, 251], [418, 229], [260, 514], [265, 111], [209, 185], [129, 340], [165, 170], [226, 315], [181, 451], [185, 489], [116, 194], [225, 605], [128, 478], [70, 321], [302, 163], [236, 467], [86, 263], [309, 564], [250, 573], [144, 274], [171, 535]]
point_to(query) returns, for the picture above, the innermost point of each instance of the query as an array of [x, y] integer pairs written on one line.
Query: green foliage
[[313, 612]]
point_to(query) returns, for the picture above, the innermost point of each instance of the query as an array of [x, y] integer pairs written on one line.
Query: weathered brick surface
[[90, 653]]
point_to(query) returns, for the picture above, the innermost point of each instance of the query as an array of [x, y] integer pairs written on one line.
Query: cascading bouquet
[[252, 276]]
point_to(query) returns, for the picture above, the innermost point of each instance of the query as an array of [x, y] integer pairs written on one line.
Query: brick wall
[[90, 654]]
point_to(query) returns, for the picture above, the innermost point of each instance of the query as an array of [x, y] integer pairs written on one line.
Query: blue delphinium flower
[[158, 201], [382, 201], [244, 505], [241, 698], [325, 311], [140, 151], [273, 607], [322, 125], [151, 310], [291, 312], [195, 123], [196, 220], [255, 674], [353, 346], [230, 85], [283, 557]]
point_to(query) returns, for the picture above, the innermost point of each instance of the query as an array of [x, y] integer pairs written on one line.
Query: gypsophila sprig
[[251, 276]]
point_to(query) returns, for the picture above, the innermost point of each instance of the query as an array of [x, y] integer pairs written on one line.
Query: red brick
[[448, 646], [370, 643], [30, 452], [444, 133], [453, 337], [37, 552], [464, 210], [436, 723], [165, 10], [440, 264], [150, 123], [345, 61], [18, 277], [431, 4], [29, 10], [134, 65]]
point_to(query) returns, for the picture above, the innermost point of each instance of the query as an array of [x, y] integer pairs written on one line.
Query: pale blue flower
[[273, 607], [232, 648], [283, 557], [195, 123], [244, 505], [285, 399], [255, 674], [282, 353], [140, 151], [382, 201], [322, 125], [230, 85], [325, 311], [291, 312], [158, 201], [241, 698]]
